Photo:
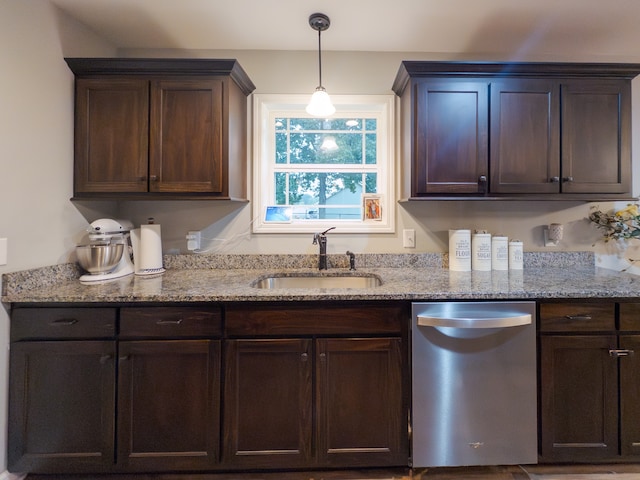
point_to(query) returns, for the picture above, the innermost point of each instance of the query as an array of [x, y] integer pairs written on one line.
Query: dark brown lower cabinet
[[277, 416], [146, 389], [61, 406], [359, 402], [268, 403], [589, 382], [579, 398], [629, 396], [168, 405]]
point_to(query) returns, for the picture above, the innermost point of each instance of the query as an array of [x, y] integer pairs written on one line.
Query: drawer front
[[61, 323], [630, 316], [273, 319], [577, 317], [171, 322]]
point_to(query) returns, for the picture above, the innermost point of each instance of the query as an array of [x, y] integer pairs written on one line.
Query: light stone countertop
[[227, 278]]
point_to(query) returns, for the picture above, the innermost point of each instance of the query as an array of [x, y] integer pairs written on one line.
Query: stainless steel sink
[[317, 281]]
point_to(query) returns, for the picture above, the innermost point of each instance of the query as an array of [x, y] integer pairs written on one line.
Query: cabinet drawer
[[171, 322], [272, 319], [61, 323], [577, 317], [630, 316]]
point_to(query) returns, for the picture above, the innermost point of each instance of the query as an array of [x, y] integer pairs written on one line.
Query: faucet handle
[[325, 232]]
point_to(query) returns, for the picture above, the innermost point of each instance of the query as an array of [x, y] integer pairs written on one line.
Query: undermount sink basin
[[317, 281]]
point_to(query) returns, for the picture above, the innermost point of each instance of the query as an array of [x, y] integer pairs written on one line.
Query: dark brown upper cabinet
[[516, 130], [154, 128]]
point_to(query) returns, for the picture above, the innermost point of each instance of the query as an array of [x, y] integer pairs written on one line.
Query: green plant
[[623, 224]]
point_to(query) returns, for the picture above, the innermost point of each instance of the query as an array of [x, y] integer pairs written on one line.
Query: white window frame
[[268, 107]]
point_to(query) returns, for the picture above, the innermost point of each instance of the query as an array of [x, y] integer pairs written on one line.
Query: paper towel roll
[[149, 259], [460, 250]]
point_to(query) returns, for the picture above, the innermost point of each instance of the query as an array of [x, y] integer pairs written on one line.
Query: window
[[313, 173]]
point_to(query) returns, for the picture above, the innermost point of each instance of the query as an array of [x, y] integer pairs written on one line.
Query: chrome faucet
[[321, 240]]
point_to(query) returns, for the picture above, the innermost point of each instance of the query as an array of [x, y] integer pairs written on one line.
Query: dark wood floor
[[462, 473]]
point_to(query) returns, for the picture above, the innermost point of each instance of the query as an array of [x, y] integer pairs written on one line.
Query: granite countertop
[[219, 278]]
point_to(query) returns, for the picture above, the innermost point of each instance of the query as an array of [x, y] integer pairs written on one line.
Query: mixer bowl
[[99, 258]]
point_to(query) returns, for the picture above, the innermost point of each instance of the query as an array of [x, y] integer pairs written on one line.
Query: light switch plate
[[409, 238], [3, 251]]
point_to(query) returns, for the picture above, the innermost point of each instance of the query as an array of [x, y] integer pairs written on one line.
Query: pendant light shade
[[320, 104]]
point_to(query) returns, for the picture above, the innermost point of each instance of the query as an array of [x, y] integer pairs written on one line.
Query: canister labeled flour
[[460, 250]]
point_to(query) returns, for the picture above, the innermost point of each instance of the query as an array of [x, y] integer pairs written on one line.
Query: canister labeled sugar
[[481, 251]]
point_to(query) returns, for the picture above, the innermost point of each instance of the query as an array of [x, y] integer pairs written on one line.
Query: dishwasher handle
[[487, 320]]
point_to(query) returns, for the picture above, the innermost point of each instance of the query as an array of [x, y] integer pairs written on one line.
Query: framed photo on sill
[[372, 208]]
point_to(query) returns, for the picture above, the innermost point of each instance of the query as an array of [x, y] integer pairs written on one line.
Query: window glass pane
[[335, 148], [281, 147], [297, 124], [319, 188], [371, 124], [370, 149], [371, 183]]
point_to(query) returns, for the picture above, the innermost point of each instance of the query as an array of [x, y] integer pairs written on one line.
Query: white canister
[[516, 255], [460, 250], [481, 251], [499, 253]]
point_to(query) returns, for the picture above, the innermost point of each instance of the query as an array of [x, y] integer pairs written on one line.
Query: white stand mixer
[[106, 230]]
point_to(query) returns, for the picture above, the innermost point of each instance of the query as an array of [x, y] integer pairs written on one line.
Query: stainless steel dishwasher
[[473, 384]]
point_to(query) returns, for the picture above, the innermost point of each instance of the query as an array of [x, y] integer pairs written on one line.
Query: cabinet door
[[579, 398], [361, 419], [186, 150], [596, 136], [629, 395], [525, 136], [268, 402], [168, 405], [451, 137], [61, 406], [111, 135]]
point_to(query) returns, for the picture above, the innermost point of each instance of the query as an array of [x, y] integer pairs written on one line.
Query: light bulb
[[320, 104]]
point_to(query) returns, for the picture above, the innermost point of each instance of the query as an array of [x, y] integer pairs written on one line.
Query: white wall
[[36, 144], [228, 226]]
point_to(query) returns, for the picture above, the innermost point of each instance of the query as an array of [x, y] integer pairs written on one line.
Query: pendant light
[[320, 104]]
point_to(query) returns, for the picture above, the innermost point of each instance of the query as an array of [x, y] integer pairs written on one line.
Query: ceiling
[[518, 28]]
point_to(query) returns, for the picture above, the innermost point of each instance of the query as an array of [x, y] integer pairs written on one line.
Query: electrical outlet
[[193, 241], [409, 238]]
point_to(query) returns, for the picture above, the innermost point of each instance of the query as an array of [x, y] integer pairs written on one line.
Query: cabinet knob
[[104, 359], [304, 356], [153, 178], [567, 179], [482, 184], [554, 180]]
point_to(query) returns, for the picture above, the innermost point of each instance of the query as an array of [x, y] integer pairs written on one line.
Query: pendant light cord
[[319, 59]]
